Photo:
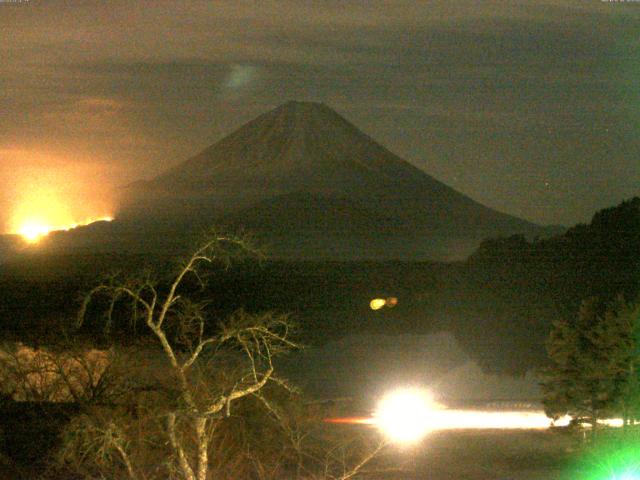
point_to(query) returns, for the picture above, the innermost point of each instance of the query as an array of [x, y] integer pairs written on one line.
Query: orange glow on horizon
[[53, 190], [40, 210], [33, 231]]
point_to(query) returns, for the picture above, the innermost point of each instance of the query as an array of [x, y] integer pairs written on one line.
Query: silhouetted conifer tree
[[595, 363]]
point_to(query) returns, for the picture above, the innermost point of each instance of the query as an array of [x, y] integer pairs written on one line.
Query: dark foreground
[[446, 455], [486, 455]]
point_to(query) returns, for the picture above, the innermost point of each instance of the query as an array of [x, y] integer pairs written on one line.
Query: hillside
[[502, 301]]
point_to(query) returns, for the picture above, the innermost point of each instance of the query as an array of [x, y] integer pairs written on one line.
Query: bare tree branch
[[177, 447]]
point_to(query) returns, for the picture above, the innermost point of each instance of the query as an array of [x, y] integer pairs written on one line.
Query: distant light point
[[378, 303]]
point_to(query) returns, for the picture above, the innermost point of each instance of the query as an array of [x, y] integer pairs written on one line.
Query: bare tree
[[73, 374], [324, 451], [197, 399], [244, 344]]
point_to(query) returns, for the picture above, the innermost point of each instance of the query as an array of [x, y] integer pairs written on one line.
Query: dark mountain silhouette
[[311, 185]]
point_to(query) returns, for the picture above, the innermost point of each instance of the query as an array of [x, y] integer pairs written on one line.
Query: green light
[[619, 460], [626, 476]]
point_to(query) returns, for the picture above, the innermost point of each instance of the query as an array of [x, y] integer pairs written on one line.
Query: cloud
[[59, 32], [102, 104], [516, 90], [241, 76]]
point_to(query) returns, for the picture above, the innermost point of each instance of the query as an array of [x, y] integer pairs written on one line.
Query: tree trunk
[[203, 444], [187, 471]]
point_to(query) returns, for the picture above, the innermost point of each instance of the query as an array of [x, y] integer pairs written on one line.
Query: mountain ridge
[[308, 152]]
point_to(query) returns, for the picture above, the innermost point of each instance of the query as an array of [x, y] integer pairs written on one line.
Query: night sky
[[529, 107]]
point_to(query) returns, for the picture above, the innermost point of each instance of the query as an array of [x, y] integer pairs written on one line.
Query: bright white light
[[406, 415], [503, 420], [612, 422]]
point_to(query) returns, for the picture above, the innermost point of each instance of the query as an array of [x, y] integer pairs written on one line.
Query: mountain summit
[[312, 185], [299, 146]]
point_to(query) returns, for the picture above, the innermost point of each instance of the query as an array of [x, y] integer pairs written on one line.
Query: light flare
[[412, 419], [407, 415]]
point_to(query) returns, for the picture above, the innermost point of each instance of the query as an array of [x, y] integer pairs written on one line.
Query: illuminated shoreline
[[481, 420], [472, 419]]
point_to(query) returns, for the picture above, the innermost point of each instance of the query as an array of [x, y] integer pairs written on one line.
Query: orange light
[[40, 210], [378, 303], [351, 420], [33, 231]]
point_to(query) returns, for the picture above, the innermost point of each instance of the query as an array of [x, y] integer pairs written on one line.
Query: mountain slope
[[304, 161]]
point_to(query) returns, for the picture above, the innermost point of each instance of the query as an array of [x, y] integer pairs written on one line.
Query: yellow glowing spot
[[377, 303], [39, 208], [33, 231], [406, 415]]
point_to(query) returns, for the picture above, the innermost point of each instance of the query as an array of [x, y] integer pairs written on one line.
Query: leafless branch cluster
[[202, 399], [44, 375], [193, 357]]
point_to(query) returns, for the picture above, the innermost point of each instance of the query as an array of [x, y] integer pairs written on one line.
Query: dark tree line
[[500, 304], [503, 300], [595, 364]]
